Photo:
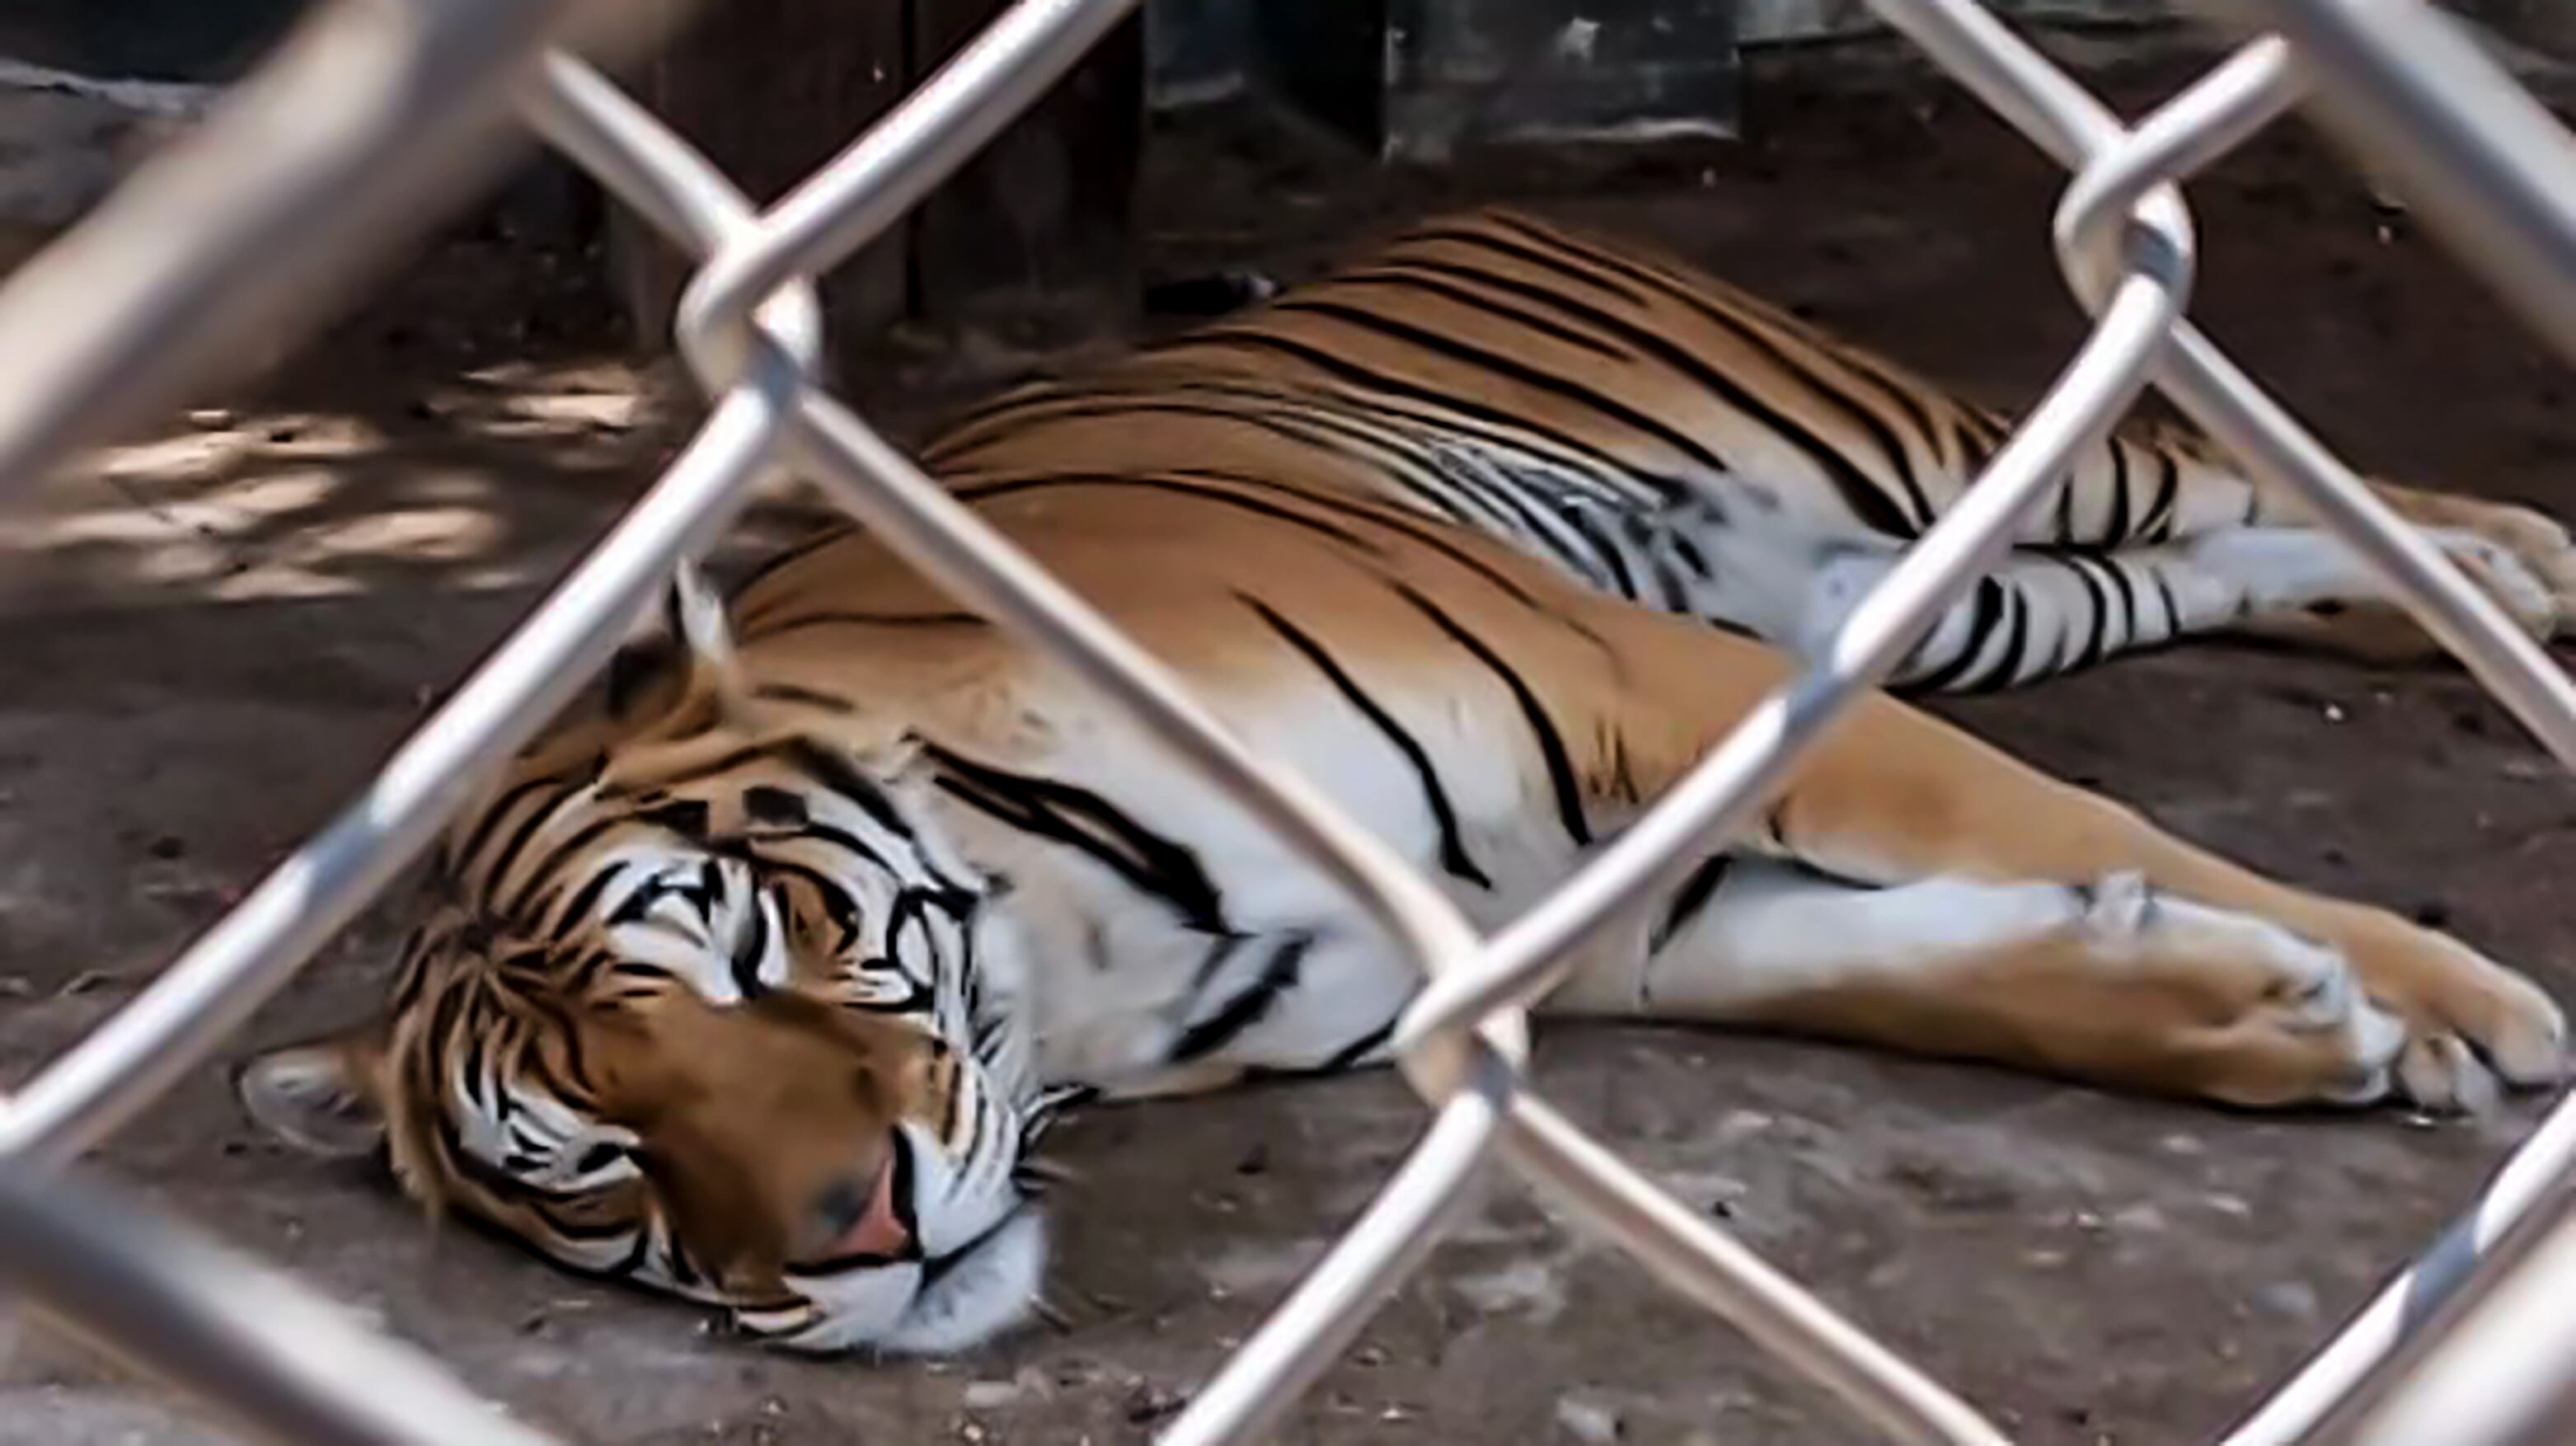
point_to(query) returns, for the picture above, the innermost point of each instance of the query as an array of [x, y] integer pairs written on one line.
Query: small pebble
[[2292, 1298], [2141, 1217], [1587, 1421], [1149, 1403]]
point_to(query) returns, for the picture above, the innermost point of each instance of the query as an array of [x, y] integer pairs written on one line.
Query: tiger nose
[[860, 1217]]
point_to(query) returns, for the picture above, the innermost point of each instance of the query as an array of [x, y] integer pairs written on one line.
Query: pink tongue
[[878, 1231]]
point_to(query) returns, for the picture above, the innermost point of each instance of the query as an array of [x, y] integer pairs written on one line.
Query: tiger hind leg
[[2522, 559], [2046, 612], [2114, 983]]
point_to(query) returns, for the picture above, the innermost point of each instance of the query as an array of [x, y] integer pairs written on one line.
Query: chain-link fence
[[379, 112]]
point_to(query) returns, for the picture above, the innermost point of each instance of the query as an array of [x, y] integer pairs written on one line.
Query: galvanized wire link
[[267, 1351], [2477, 1341], [432, 82], [2523, 232]]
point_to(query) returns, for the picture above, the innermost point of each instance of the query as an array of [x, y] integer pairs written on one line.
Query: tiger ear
[[682, 665], [323, 1096]]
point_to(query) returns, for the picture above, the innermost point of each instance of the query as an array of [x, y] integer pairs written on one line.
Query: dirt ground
[[209, 639]]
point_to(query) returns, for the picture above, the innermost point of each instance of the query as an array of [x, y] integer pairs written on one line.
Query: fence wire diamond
[[378, 113]]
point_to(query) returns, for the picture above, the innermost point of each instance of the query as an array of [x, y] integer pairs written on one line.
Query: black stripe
[[1551, 748], [810, 697], [840, 906], [411, 976], [690, 818], [989, 492], [1503, 364], [1379, 515], [846, 841], [1445, 399], [1358, 1049], [634, 668], [1606, 550], [2016, 638], [555, 858], [2159, 523], [1283, 416], [2091, 652], [1478, 232], [2173, 606], [828, 534], [1510, 284], [1354, 416], [857, 618], [2120, 583], [578, 907], [770, 804], [1989, 607], [683, 1272], [635, 906], [1399, 276], [1083, 820], [834, 773], [1689, 899], [1668, 583], [748, 952], [1453, 849], [953, 1074], [1210, 962], [837, 774], [1870, 504], [1248, 1006], [568, 1038], [469, 854]]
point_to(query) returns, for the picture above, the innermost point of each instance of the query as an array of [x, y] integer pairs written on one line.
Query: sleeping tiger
[[756, 978]]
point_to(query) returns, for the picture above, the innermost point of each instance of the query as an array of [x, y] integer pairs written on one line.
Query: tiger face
[[724, 1018]]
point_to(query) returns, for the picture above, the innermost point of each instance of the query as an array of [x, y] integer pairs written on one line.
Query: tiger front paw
[[2474, 1028]]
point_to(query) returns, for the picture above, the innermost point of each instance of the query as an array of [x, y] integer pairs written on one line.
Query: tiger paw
[[2515, 578], [2524, 557], [2474, 1028]]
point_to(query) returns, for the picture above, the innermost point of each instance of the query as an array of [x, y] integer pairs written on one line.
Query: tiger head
[[702, 1001]]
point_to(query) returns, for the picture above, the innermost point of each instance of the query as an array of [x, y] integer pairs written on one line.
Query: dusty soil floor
[[211, 639]]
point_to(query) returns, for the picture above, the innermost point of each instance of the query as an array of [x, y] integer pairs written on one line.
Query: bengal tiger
[[755, 979]]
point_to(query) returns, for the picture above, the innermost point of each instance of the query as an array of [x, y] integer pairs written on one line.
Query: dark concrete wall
[[144, 39]]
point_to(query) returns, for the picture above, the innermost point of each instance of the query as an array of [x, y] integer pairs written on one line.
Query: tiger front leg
[[2115, 983], [1898, 797]]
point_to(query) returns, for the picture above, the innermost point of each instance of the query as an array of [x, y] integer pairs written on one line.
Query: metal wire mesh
[[390, 107]]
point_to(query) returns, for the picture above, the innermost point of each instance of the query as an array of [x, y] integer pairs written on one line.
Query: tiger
[[758, 977]]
